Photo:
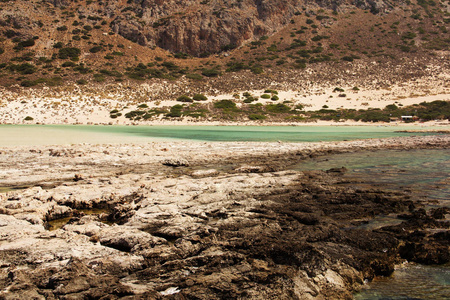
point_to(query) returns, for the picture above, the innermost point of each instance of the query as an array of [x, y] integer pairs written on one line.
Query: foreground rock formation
[[233, 222]]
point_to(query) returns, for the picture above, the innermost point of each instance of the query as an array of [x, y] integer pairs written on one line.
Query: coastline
[[207, 219], [88, 106]]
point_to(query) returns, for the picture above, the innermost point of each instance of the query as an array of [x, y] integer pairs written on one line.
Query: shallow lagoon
[[422, 173], [15, 135]]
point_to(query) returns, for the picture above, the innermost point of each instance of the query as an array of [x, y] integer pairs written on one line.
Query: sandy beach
[[81, 105]]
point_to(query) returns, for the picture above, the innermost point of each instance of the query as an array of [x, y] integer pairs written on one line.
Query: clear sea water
[[425, 175], [11, 135]]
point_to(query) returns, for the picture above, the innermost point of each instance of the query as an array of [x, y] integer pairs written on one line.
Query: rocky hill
[[48, 42]]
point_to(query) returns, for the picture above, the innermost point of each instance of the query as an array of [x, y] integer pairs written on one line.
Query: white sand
[[76, 108]]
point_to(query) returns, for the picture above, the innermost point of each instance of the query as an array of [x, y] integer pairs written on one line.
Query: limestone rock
[[175, 162]]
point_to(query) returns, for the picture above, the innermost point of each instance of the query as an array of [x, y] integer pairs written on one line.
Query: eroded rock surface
[[243, 229]]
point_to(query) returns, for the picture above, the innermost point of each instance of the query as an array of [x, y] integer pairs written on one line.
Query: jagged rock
[[340, 170], [286, 234], [250, 169], [198, 27], [204, 173], [175, 162], [127, 240], [59, 211]]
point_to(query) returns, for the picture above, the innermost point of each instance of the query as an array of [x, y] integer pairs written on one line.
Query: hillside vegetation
[[51, 43]]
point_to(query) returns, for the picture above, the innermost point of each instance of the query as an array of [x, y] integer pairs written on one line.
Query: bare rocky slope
[[198, 26], [204, 27], [53, 42]]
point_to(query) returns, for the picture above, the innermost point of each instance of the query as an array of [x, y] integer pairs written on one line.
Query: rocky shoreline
[[194, 220]]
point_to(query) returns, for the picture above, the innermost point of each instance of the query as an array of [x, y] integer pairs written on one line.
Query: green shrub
[[96, 49], [68, 64], [181, 55], [28, 118], [199, 97], [228, 47], [317, 38], [225, 104], [28, 83], [170, 66], [265, 96], [297, 43], [185, 98], [24, 69], [277, 108], [373, 116], [82, 69], [236, 67], [350, 58], [69, 52], [81, 81], [25, 44], [211, 72], [134, 114], [299, 65], [272, 48], [275, 98], [112, 73], [409, 36], [194, 76], [175, 111], [257, 69], [62, 28], [255, 117], [54, 81], [58, 45], [391, 107], [99, 77], [271, 92], [295, 118]]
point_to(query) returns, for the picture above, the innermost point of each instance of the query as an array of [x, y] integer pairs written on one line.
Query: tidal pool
[[425, 175]]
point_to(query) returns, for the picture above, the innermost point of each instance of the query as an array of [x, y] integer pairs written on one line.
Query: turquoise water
[[410, 282], [422, 173], [257, 133], [425, 172], [70, 134]]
